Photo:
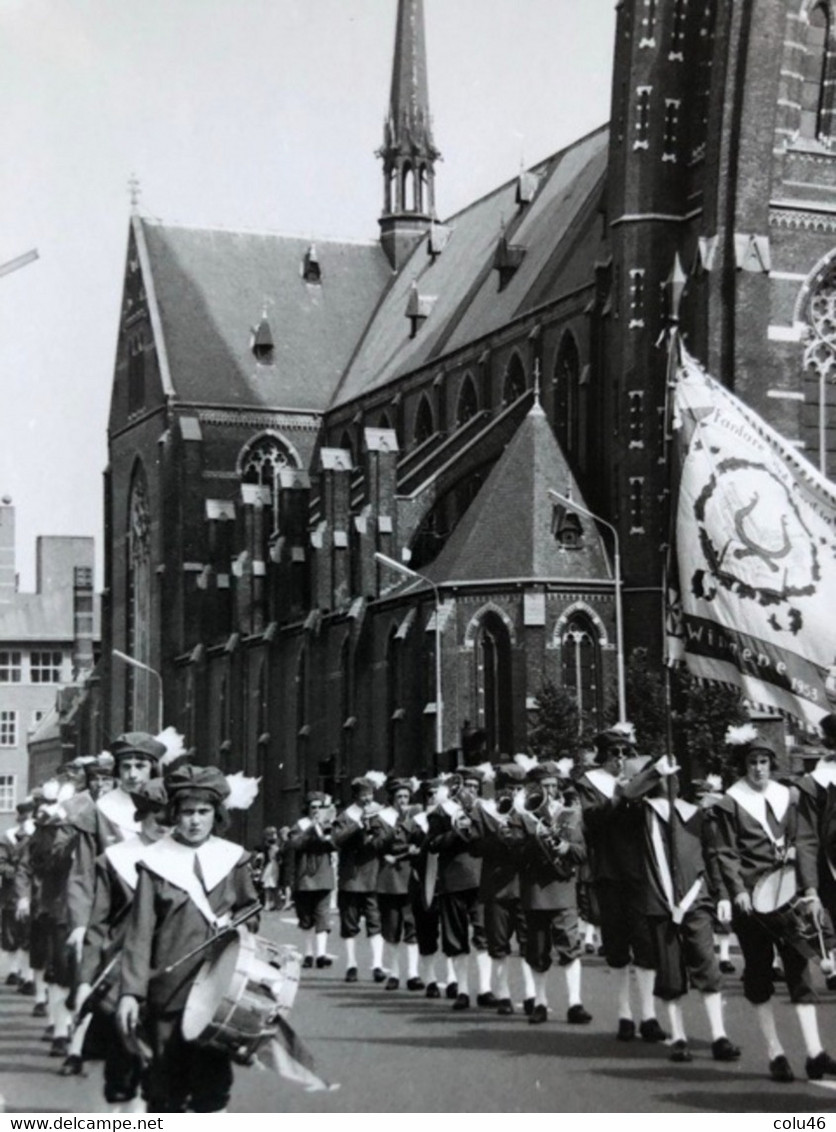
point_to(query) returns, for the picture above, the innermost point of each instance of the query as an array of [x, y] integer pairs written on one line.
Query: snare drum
[[785, 912], [238, 994]]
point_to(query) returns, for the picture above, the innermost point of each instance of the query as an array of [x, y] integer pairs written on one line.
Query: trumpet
[[553, 826]]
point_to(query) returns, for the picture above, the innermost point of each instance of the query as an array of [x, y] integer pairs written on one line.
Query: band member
[[679, 897], [613, 826], [357, 868], [392, 829], [266, 867], [422, 889], [14, 931], [41, 885], [458, 890], [116, 879], [755, 825], [499, 884], [550, 840], [189, 884], [99, 772], [313, 882], [816, 834]]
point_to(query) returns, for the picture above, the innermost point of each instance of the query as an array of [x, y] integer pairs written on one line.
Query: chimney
[[8, 580], [82, 622]]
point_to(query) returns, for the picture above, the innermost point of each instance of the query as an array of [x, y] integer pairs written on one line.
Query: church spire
[[408, 151]]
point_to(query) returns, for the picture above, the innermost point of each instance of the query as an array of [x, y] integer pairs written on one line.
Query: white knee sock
[[376, 944], [79, 1031], [589, 934], [321, 944], [713, 1004], [484, 968], [572, 974], [51, 1004], [40, 986], [500, 974], [725, 948], [766, 1022], [390, 957], [645, 979], [676, 1021], [61, 1014], [622, 976], [426, 968], [351, 952], [528, 979], [540, 998], [460, 967], [809, 1022], [451, 970], [394, 968], [411, 960]]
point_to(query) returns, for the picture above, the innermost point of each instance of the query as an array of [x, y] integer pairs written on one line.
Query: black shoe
[[577, 1016], [778, 975], [819, 1065], [589, 948], [680, 1052], [13, 979], [505, 1006], [780, 1070], [39, 1010], [451, 990], [48, 1033], [307, 962], [727, 967], [433, 991], [724, 1050], [486, 999], [538, 1014], [415, 984], [651, 1031], [626, 1029], [379, 975], [528, 1006], [351, 975], [59, 1047], [462, 1002], [72, 1067], [324, 961], [830, 982], [392, 983], [27, 987]]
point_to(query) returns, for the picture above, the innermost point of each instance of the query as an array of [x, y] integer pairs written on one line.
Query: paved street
[[394, 1052]]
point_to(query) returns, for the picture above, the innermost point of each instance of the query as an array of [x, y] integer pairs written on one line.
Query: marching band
[[116, 885]]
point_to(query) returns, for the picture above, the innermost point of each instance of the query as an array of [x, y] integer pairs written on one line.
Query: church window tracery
[[468, 403], [581, 667], [514, 386], [819, 74]]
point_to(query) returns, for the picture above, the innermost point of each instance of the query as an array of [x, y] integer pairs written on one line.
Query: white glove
[[666, 766]]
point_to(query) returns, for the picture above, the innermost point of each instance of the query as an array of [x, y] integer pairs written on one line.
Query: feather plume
[[375, 776], [174, 743], [487, 771], [714, 782], [242, 791], [414, 784], [65, 791], [50, 789], [742, 733], [442, 794], [527, 762], [565, 767], [625, 728]]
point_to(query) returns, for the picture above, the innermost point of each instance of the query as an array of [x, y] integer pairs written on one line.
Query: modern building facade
[[283, 410]]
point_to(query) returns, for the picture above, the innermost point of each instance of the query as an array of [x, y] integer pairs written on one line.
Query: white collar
[[124, 857], [388, 815], [754, 802], [686, 810], [174, 862], [354, 813], [824, 773], [602, 780], [119, 808]]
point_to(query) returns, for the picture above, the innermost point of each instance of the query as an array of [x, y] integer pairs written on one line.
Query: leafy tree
[[704, 712], [647, 704], [557, 725]]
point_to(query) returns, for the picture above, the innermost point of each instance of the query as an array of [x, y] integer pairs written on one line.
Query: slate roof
[[468, 302], [211, 288], [506, 532]]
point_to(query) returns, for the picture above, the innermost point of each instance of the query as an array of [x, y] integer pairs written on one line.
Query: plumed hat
[[25, 807], [541, 771], [150, 796], [507, 775], [137, 743], [742, 740], [204, 782], [393, 785], [362, 786], [605, 741], [315, 796], [100, 765]]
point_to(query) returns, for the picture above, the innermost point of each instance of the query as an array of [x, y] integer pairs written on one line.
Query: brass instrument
[[554, 824]]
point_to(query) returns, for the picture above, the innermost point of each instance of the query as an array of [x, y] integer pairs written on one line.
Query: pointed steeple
[[408, 151]]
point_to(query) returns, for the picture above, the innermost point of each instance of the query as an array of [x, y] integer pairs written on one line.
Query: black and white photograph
[[417, 558]]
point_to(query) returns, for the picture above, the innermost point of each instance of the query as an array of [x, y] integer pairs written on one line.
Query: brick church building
[[283, 410]]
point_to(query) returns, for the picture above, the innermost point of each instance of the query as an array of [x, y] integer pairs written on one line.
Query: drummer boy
[[190, 885]]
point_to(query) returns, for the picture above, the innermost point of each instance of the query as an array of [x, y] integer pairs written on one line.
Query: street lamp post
[[393, 564], [134, 663], [619, 620]]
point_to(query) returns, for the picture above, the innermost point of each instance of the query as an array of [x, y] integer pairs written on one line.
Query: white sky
[[260, 114]]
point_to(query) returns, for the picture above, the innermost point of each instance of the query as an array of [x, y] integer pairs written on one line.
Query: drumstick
[[242, 918]]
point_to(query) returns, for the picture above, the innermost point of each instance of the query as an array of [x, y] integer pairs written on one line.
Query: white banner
[[756, 554]]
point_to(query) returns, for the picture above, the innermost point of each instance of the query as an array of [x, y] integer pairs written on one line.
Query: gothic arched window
[[581, 667], [424, 423], [468, 403], [816, 91], [567, 374], [493, 684], [820, 364], [514, 386], [141, 690]]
